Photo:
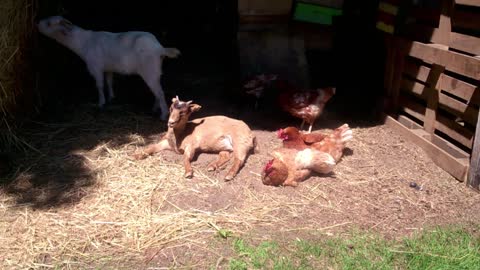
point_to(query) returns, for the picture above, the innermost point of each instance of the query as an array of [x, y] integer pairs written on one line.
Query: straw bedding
[[79, 202]]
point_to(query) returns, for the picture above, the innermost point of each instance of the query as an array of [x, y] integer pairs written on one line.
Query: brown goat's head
[[180, 111]]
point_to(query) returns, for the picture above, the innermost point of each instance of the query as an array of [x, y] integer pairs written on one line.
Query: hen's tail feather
[[336, 141]]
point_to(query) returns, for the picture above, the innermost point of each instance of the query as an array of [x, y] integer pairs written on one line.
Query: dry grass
[[128, 212], [82, 203]]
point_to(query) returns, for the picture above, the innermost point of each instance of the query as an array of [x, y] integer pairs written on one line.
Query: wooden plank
[[432, 90], [456, 62], [419, 72], [474, 173], [412, 108], [469, 92], [462, 42], [453, 106], [452, 165], [440, 142], [474, 3], [461, 89], [426, 34], [455, 131], [465, 43], [451, 149], [451, 128]]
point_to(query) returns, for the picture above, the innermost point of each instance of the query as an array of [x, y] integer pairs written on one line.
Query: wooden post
[[474, 173], [433, 89], [399, 61], [445, 23], [389, 63]]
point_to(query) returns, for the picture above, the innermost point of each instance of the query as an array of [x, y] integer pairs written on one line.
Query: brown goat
[[213, 134]]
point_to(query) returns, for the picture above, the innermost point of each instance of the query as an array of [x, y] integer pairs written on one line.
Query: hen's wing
[[313, 137], [335, 142]]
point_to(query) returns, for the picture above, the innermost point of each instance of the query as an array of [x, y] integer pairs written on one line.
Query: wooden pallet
[[433, 81]]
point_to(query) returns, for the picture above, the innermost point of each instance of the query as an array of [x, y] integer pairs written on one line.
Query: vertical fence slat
[[432, 85]]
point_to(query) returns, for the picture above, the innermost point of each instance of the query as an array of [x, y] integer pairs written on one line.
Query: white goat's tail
[[171, 52]]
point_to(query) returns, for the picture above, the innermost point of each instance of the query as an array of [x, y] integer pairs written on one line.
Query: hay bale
[[17, 77]]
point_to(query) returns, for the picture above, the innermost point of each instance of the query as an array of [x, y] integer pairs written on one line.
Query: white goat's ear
[[67, 27], [188, 102], [66, 23], [194, 107], [175, 99]]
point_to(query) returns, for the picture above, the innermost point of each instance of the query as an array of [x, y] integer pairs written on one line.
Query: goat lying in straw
[[214, 134], [105, 53]]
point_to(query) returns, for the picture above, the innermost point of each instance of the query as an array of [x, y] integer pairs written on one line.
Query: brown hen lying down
[[296, 162]]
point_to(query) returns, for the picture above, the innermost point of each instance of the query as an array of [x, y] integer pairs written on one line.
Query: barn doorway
[[204, 32]]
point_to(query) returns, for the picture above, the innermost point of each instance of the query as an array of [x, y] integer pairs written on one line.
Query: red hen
[[306, 105], [332, 144]]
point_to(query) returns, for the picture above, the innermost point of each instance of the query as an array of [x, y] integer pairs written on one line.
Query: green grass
[[441, 248]]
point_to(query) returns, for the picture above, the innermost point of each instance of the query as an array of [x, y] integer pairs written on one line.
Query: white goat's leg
[[109, 77], [98, 76], [156, 88]]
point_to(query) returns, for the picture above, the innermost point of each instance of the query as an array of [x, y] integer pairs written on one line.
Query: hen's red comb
[[280, 133], [268, 165]]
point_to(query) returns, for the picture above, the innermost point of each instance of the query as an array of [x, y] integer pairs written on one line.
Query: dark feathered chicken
[[307, 105]]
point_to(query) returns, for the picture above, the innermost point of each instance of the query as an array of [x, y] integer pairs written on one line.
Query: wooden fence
[[433, 84]]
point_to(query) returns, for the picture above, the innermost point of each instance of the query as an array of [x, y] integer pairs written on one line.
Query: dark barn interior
[[206, 34], [203, 31]]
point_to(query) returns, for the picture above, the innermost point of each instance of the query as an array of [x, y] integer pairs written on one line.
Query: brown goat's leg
[[223, 157], [152, 149], [187, 159], [239, 159]]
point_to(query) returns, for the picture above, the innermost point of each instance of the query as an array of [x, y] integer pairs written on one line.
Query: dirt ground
[[79, 201]]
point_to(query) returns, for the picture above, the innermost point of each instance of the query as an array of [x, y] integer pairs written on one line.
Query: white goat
[[106, 53]]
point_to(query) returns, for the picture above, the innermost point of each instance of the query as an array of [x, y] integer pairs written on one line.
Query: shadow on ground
[[53, 169]]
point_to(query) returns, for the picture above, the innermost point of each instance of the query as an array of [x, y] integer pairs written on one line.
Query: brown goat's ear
[[194, 107]]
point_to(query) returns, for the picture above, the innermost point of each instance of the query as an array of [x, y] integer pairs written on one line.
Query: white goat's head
[[55, 27], [180, 111]]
